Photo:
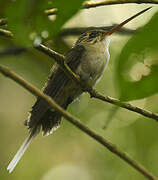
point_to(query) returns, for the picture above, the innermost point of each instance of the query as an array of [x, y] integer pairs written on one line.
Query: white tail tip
[[20, 153]]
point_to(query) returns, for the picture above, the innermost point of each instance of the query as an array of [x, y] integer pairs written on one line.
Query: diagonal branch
[[60, 59], [5, 33], [111, 147]]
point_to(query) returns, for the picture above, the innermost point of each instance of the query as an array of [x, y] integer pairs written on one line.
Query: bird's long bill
[[116, 28]]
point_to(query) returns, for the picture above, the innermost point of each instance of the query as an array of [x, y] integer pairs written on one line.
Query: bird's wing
[[58, 77], [54, 87], [57, 81]]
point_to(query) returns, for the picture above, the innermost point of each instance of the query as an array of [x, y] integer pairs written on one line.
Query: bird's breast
[[93, 63]]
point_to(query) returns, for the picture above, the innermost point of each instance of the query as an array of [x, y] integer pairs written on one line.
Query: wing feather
[[55, 86]]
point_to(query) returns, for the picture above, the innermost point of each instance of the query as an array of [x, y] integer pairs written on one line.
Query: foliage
[[141, 47], [69, 149], [26, 17]]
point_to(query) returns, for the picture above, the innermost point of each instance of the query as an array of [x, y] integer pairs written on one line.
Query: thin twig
[[5, 33], [60, 59], [52, 11], [111, 147], [94, 4]]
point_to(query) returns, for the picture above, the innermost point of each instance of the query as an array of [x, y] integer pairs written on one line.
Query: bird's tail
[[20, 152]]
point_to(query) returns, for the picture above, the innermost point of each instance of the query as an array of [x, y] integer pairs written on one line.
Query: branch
[[5, 33], [60, 59], [52, 11], [111, 147], [94, 4]]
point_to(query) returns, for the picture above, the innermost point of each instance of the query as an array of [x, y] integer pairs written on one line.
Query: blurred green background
[[131, 75]]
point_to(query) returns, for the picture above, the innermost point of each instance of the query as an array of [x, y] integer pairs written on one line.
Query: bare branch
[[60, 59], [52, 11], [93, 4], [5, 33], [111, 147]]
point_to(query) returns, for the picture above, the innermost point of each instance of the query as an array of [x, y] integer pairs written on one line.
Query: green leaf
[[141, 46], [26, 18]]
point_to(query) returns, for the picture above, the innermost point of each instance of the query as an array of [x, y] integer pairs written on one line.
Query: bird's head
[[96, 36], [91, 37]]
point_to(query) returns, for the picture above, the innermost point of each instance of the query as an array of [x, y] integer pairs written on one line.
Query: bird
[[88, 59]]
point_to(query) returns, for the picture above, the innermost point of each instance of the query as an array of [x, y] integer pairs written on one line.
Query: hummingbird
[[88, 59]]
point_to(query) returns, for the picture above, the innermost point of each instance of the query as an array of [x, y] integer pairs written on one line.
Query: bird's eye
[[92, 35]]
